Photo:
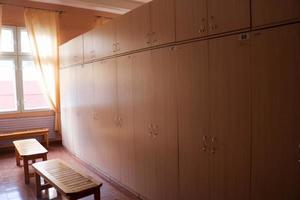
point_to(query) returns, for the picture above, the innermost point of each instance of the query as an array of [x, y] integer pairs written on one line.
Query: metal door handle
[[120, 122], [150, 130], [213, 150], [204, 140]]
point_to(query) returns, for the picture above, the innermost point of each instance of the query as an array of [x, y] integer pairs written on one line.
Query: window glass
[[25, 44], [32, 91], [8, 97], [7, 40]]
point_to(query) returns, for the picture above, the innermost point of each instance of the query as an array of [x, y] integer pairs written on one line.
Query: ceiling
[[111, 6]]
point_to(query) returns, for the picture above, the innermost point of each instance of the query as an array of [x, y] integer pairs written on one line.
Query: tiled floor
[[12, 186]]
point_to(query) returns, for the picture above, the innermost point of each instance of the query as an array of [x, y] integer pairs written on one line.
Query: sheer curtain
[[1, 6], [43, 29]]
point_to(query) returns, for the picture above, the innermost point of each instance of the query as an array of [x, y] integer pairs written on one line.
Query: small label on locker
[[244, 36]]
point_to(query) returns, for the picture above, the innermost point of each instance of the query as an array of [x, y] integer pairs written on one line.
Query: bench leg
[[38, 185], [97, 194], [17, 158], [26, 170]]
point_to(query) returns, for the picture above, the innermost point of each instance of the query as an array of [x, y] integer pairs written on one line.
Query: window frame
[[18, 57]]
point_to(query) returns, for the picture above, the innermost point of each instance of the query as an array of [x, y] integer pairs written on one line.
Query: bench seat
[[66, 180], [27, 134]]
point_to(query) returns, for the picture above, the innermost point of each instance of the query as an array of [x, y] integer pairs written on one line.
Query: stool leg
[[38, 185], [26, 170], [44, 157], [97, 194], [17, 158], [46, 141]]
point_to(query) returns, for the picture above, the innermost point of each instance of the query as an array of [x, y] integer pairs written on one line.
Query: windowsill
[[27, 114]]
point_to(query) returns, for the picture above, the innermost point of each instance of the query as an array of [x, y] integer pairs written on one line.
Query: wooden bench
[[27, 134], [69, 182], [29, 149]]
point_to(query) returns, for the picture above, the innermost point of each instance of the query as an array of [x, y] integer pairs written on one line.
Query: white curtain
[[43, 29]]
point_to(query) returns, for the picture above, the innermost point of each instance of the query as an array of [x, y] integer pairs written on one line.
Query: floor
[[12, 186]]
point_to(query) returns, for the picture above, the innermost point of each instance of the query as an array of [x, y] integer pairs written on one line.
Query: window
[[20, 88], [8, 92]]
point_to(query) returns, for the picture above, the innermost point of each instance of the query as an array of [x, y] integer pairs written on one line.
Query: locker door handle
[[153, 131], [120, 122], [213, 141], [205, 146], [213, 150], [150, 130]]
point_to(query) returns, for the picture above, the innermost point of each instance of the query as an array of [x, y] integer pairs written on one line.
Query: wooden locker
[[63, 56], [143, 94], [191, 19], [71, 132], [85, 113], [229, 15], [75, 49], [193, 124], [275, 107], [162, 21], [229, 96], [105, 116], [64, 99], [165, 140], [124, 33], [141, 30], [125, 120], [108, 39], [74, 125], [155, 120], [98, 41], [89, 43], [267, 12]]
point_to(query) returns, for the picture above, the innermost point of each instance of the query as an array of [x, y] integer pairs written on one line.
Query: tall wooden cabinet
[[193, 120], [164, 128], [267, 12], [85, 94], [214, 119], [198, 18], [65, 95], [275, 119], [155, 126], [125, 121], [105, 117], [229, 95]]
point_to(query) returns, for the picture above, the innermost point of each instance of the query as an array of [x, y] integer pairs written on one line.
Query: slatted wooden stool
[[69, 182], [29, 149]]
